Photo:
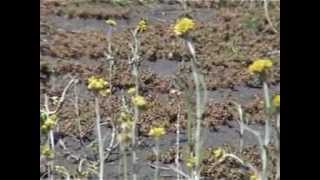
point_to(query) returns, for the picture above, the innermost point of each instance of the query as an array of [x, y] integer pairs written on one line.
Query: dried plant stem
[[51, 138], [278, 147], [111, 144], [178, 141], [110, 74], [268, 110], [100, 142], [198, 111], [241, 128], [263, 151], [136, 118], [64, 92], [124, 161], [157, 151], [135, 71], [266, 11]]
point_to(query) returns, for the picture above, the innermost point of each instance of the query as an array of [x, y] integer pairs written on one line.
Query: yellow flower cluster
[[139, 101], [157, 132], [48, 123], [254, 177], [276, 101], [125, 117], [142, 25], [125, 134], [260, 65], [111, 22], [96, 83], [218, 153], [190, 161], [183, 26], [46, 151], [131, 91], [126, 123]]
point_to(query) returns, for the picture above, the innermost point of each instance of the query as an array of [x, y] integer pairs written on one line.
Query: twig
[[233, 156], [60, 100], [111, 144], [266, 11]]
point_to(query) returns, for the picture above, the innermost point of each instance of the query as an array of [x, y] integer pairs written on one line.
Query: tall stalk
[[124, 160], [200, 103], [136, 118], [267, 131], [135, 72], [99, 136], [177, 141]]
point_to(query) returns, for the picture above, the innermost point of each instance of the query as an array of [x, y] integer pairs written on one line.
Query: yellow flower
[[157, 132], [125, 117], [260, 65], [142, 25], [276, 101], [111, 22], [95, 83], [49, 123], [131, 91], [105, 92], [190, 161], [254, 177], [218, 153], [46, 151], [183, 26], [189, 164], [124, 138], [139, 101]]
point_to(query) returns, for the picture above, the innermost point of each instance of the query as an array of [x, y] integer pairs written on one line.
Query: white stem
[[65, 90], [46, 105], [278, 147], [177, 142], [134, 60], [157, 159], [100, 143], [198, 111], [111, 145], [125, 161], [268, 108], [241, 127], [51, 137]]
